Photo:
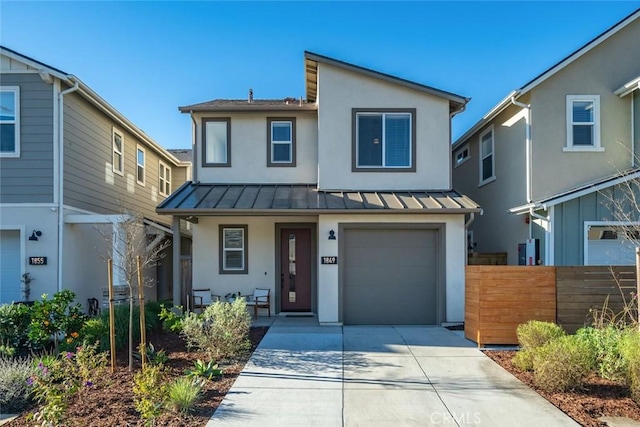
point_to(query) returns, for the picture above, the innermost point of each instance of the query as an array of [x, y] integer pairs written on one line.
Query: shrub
[[531, 336], [630, 350], [151, 314], [183, 393], [149, 391], [605, 344], [154, 357], [171, 321], [221, 331], [96, 331], [14, 327], [15, 391], [204, 370], [562, 363], [50, 317]]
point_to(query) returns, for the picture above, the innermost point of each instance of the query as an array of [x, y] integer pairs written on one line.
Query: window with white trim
[[140, 165], [583, 123], [487, 156], [462, 155], [281, 141], [164, 179], [233, 249], [118, 151], [383, 139], [9, 121]]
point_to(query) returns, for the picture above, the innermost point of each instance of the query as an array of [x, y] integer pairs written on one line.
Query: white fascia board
[[627, 88], [92, 219], [519, 210], [33, 64]]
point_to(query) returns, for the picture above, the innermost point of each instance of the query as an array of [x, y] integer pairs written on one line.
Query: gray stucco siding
[[29, 178]]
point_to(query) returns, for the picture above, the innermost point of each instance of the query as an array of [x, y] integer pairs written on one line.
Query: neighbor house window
[[9, 121], [216, 142], [487, 157], [164, 179], [118, 151], [281, 141], [140, 165], [233, 249], [462, 155], [583, 123], [384, 140]]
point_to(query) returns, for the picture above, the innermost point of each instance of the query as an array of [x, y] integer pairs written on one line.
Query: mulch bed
[[598, 398], [109, 402]]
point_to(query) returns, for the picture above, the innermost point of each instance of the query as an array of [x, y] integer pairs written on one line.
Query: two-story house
[[340, 204], [70, 164], [548, 160]]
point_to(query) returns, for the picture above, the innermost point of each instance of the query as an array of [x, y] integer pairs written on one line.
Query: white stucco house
[[341, 204]]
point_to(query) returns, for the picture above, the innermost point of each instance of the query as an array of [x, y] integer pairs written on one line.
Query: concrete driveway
[[309, 375]]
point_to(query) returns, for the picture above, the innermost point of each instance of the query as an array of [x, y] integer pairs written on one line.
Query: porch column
[[177, 268]]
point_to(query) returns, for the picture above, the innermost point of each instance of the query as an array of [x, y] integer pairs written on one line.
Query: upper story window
[[216, 142], [462, 155], [487, 156], [9, 121], [118, 151], [384, 140], [281, 143], [583, 123], [164, 179], [140, 165], [233, 249]]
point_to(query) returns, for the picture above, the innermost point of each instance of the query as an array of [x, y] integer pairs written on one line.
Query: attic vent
[[250, 96]]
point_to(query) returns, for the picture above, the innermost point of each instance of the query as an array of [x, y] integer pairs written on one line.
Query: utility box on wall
[[529, 252]]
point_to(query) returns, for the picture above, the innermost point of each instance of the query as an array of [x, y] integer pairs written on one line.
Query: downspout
[[451, 116], [194, 157], [633, 129], [61, 179]]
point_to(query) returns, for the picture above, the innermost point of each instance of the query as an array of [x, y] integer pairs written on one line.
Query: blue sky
[[148, 58]]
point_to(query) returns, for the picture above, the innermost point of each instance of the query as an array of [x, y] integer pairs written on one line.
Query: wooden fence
[[497, 258], [582, 289], [499, 298]]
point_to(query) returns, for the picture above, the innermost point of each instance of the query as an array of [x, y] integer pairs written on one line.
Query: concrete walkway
[[303, 374]]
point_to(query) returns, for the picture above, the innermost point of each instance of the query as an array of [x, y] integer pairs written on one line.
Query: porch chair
[[261, 298], [202, 298]]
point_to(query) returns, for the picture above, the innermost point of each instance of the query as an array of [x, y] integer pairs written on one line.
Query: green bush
[[14, 328], [55, 316], [605, 344], [96, 331], [204, 370], [630, 350], [221, 331], [15, 390], [152, 315], [531, 336], [149, 392], [563, 363], [182, 394], [171, 320]]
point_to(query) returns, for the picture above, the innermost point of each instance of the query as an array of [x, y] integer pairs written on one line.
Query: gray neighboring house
[[543, 161], [69, 164], [340, 204]]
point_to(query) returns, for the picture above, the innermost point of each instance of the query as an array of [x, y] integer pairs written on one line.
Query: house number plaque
[[329, 260], [37, 260]]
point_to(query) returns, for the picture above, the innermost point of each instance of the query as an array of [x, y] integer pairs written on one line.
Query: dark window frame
[[203, 145], [270, 162], [245, 249], [354, 140]]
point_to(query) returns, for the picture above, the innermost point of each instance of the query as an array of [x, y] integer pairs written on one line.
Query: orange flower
[[75, 334], [46, 323], [69, 340]]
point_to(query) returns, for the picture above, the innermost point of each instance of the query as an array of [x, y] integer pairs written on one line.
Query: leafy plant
[[204, 370], [221, 331], [171, 321], [51, 317], [154, 357], [630, 350], [152, 311], [605, 344], [14, 327], [96, 331], [149, 390], [15, 390], [531, 336], [183, 393], [562, 363]]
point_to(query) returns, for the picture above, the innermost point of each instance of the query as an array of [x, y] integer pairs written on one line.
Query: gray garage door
[[390, 277]]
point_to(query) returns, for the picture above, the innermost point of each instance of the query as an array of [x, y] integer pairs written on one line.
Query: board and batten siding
[[89, 180], [29, 178]]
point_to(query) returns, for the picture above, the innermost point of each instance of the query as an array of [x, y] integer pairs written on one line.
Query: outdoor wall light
[[332, 235], [35, 235]]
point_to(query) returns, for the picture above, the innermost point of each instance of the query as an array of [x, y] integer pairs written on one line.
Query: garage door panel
[[390, 276], [10, 266]]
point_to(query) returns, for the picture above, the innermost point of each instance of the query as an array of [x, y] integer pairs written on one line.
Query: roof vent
[[289, 100], [250, 96]]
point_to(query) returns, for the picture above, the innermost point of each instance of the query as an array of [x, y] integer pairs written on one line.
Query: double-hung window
[[462, 155], [216, 142], [9, 121], [164, 179], [118, 151], [233, 249], [384, 140], [140, 165], [281, 141], [583, 123], [487, 156]]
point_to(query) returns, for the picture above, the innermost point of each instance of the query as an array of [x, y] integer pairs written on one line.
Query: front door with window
[[295, 269]]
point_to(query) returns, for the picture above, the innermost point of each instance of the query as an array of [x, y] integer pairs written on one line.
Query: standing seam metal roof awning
[[294, 199]]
